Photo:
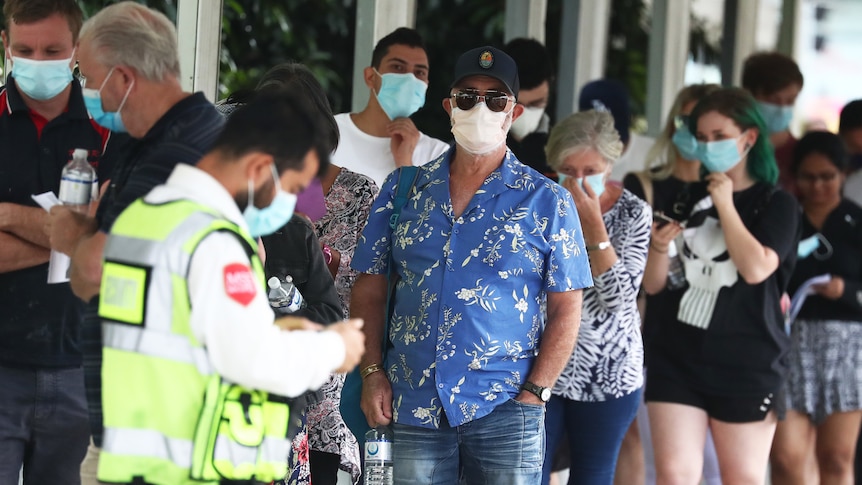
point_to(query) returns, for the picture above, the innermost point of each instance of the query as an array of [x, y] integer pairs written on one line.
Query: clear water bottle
[[378, 456], [284, 297], [675, 269], [78, 182]]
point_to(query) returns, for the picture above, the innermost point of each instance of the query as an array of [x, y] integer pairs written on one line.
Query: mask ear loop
[[250, 194], [827, 248]]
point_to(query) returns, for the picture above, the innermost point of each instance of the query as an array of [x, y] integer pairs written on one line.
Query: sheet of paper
[[58, 264], [801, 294]]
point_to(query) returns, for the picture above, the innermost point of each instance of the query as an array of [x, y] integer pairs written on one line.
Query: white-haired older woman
[[596, 397]]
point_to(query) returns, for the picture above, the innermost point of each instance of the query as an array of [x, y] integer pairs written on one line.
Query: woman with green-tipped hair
[[718, 364]]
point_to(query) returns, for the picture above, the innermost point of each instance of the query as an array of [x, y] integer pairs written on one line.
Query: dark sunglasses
[[494, 100]]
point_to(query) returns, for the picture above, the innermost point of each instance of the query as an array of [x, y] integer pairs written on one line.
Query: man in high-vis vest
[[196, 369]]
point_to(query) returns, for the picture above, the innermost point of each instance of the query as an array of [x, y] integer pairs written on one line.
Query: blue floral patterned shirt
[[468, 312]]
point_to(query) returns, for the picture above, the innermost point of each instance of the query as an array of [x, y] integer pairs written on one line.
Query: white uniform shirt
[[230, 312], [853, 187], [371, 155]]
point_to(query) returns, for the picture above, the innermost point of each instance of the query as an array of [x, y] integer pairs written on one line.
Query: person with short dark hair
[[471, 355], [198, 327], [382, 136], [824, 387], [850, 131], [529, 133], [775, 81], [719, 364], [43, 119]]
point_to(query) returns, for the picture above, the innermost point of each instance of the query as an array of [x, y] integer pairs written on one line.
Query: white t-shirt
[[371, 155]]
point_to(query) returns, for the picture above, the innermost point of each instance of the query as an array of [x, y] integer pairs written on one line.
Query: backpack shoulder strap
[[406, 180]]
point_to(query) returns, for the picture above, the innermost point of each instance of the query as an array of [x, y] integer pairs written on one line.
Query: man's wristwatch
[[543, 393]]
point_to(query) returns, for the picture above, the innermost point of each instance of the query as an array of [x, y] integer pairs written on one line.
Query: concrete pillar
[[788, 33], [583, 46], [668, 53], [199, 35], [738, 38], [375, 19], [526, 18]]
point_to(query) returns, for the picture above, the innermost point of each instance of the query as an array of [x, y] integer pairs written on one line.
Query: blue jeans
[[505, 447], [595, 432], [43, 425]]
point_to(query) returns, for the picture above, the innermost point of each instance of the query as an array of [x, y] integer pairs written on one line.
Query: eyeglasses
[[494, 100], [812, 178]]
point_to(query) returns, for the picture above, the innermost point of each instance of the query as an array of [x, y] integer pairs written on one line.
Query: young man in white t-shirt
[[382, 137]]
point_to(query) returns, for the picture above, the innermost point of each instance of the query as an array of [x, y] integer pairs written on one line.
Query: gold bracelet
[[371, 369]]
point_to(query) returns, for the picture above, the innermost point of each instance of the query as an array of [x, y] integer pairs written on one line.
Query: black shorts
[[730, 409]]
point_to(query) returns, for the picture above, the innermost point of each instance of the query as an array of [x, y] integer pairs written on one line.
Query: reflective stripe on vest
[[156, 376]]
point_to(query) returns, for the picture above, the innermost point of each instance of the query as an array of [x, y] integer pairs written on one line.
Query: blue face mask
[[685, 142], [42, 80], [400, 95], [596, 182], [777, 117], [93, 102], [262, 222], [719, 156], [807, 246]]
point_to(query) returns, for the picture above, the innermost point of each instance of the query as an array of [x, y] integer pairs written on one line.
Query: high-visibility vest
[[169, 417]]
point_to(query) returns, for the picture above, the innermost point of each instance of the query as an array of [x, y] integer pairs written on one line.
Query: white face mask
[[480, 130], [527, 122]]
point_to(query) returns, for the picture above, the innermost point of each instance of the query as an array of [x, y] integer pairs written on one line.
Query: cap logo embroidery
[[600, 107], [486, 60]]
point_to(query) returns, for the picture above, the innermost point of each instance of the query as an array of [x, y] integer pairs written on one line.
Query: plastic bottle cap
[[80, 153], [273, 282], [288, 279]]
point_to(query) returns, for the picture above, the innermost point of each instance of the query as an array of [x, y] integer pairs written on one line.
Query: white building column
[[668, 53], [738, 38], [526, 18], [374, 20], [583, 45], [199, 35], [788, 33]]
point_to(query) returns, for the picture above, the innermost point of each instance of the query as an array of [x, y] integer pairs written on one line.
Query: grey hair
[[581, 131], [130, 34]]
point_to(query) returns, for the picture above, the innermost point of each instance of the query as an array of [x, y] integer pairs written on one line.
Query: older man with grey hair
[[129, 58]]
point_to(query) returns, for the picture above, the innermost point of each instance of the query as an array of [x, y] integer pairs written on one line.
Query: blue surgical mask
[[596, 182], [686, 143], [719, 156], [93, 102], [263, 222], [807, 246], [777, 117], [42, 80], [400, 95]]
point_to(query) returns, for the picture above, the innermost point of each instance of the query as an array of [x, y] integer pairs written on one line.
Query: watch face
[[545, 395]]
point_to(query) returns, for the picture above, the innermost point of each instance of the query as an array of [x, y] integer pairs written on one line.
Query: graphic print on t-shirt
[[708, 267]]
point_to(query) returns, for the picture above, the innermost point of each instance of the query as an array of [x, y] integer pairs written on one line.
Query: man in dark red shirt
[[43, 424]]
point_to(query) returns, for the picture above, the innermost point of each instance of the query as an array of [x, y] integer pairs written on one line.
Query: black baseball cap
[[608, 95], [488, 61]]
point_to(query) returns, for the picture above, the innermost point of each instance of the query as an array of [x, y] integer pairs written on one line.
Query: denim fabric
[[43, 425], [595, 431], [505, 447]]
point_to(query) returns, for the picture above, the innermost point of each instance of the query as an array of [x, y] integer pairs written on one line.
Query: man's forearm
[[85, 274], [559, 337], [368, 301], [25, 222], [16, 253]]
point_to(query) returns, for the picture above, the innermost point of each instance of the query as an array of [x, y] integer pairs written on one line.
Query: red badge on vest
[[239, 283]]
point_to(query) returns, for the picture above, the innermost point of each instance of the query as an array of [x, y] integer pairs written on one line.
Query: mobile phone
[[661, 219]]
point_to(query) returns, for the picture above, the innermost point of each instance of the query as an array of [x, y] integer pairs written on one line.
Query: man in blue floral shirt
[[481, 244]]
